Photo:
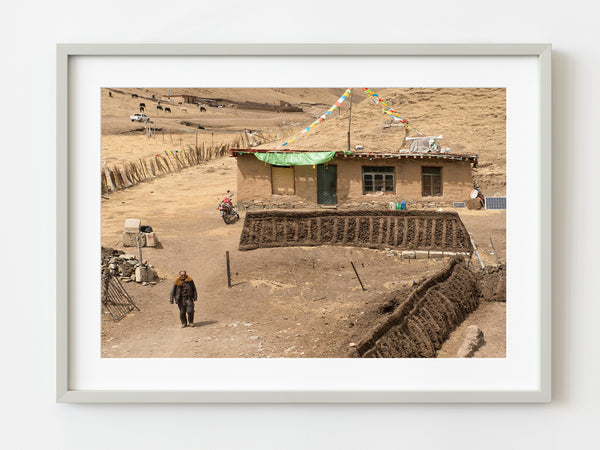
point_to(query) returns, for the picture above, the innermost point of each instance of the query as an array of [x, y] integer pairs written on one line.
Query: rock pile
[[127, 267]]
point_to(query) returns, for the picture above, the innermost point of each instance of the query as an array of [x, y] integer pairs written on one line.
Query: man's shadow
[[203, 324]]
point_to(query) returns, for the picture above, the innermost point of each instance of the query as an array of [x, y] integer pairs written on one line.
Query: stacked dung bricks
[[421, 323], [435, 233]]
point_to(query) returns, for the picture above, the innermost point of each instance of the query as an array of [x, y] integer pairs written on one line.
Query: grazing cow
[[143, 104], [167, 109], [134, 96], [184, 109], [200, 127], [160, 108], [109, 94], [202, 109], [141, 109]]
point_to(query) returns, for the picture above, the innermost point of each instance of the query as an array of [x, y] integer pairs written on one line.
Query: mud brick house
[[335, 177]]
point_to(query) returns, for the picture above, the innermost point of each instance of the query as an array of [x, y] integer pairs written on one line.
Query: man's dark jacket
[[177, 290]]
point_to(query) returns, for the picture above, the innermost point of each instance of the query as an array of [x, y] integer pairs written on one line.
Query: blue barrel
[[403, 205]]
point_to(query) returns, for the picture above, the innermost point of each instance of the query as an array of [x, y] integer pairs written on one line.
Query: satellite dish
[[474, 194]]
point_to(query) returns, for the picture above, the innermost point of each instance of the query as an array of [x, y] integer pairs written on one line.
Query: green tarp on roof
[[296, 159]]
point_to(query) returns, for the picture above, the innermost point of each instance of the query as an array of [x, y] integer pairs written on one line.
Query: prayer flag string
[[327, 114], [388, 109]]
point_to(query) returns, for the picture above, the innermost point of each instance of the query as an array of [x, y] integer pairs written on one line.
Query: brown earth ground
[[284, 302]]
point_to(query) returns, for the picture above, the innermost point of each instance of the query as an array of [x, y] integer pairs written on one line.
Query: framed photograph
[[343, 223]]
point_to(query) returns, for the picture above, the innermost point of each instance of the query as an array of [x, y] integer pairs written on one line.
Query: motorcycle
[[476, 193], [227, 210]]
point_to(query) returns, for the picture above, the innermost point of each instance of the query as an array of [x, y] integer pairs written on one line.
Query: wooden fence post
[[110, 182]]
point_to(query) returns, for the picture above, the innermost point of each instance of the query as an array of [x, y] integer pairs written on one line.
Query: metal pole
[[493, 248], [228, 269], [139, 246], [361, 285], [349, 120], [476, 252]]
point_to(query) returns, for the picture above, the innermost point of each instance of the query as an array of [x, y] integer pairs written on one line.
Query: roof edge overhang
[[472, 159]]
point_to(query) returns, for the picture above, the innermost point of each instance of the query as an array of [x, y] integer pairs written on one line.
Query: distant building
[[181, 98]]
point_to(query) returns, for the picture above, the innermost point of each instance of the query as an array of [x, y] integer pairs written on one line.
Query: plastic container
[[397, 205], [392, 205], [403, 205]]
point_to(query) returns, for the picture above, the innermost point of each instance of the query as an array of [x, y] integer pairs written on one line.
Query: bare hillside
[[471, 120]]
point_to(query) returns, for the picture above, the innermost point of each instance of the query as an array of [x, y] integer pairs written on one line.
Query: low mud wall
[[424, 320], [403, 230]]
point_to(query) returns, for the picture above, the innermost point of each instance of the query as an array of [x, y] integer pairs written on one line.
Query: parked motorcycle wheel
[[228, 218]]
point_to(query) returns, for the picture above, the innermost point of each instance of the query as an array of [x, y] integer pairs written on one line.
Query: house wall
[[306, 183], [254, 180], [457, 180]]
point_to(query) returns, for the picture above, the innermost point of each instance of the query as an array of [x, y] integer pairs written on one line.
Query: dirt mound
[[411, 230], [421, 323], [474, 203], [493, 283]]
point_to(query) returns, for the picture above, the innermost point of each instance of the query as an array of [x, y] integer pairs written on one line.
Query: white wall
[[32, 419]]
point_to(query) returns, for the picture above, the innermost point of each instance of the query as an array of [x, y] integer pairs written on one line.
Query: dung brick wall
[[401, 230], [424, 320]]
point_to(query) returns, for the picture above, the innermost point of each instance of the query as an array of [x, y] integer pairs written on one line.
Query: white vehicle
[[138, 117]]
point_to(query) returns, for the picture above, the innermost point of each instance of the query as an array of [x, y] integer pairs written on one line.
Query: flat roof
[[369, 155]]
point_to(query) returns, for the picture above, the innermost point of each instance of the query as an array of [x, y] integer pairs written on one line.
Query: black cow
[[134, 96], [109, 94], [143, 104], [141, 109], [167, 109], [202, 109], [160, 108]]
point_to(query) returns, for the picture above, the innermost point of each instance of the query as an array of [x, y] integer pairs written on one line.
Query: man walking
[[184, 294]]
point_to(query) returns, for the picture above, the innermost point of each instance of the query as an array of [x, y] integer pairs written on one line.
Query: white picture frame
[[66, 215]]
